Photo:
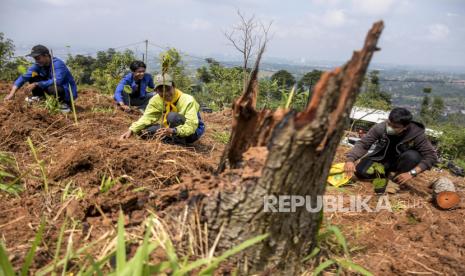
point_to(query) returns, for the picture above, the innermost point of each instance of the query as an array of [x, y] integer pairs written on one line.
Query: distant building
[[362, 119]]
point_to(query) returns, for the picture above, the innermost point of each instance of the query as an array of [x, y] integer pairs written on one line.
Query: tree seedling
[[380, 182]]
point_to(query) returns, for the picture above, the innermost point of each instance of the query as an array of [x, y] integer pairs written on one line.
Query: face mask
[[390, 130]]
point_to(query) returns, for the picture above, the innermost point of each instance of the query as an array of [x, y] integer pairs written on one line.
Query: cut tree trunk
[[282, 153], [445, 194]]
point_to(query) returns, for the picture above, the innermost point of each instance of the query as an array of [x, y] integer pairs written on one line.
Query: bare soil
[[415, 239]]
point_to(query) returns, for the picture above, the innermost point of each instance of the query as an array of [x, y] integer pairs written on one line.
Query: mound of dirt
[[416, 238], [92, 175], [78, 158]]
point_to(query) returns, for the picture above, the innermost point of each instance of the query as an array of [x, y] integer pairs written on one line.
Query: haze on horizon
[[417, 32]]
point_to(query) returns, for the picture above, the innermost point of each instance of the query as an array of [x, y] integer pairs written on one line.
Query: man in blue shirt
[[40, 79], [132, 89]]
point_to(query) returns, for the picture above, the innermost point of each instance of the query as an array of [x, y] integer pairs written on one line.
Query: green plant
[[172, 63], [332, 241], [380, 182], [269, 97], [73, 108], [309, 80], [13, 68], [41, 163], [156, 237], [105, 110], [52, 104], [452, 141], [221, 136], [460, 163], [412, 219], [107, 183], [398, 206], [372, 96], [284, 79], [9, 179], [7, 50], [70, 191], [6, 268], [110, 68], [81, 67], [220, 85], [289, 99], [59, 242]]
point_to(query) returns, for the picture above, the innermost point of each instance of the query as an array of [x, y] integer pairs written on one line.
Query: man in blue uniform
[[40, 79], [132, 89]]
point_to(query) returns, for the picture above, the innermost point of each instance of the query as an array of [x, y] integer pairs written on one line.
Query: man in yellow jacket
[[179, 112]]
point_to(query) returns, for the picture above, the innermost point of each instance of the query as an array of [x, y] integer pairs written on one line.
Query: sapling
[[166, 63], [72, 104], [289, 99], [54, 76], [379, 183], [39, 162], [51, 104]]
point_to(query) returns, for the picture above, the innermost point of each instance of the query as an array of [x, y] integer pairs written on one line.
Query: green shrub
[[107, 77]]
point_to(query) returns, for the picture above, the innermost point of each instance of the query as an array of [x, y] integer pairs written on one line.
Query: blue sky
[[417, 32]]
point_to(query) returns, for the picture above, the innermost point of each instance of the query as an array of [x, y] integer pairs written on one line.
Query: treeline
[[215, 86]]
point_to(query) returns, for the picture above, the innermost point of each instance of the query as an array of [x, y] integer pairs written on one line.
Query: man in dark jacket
[[400, 144], [41, 80]]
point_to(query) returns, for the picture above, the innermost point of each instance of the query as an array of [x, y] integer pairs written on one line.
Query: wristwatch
[[413, 172]]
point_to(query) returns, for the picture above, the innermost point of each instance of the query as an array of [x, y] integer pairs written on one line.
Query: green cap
[[164, 79]]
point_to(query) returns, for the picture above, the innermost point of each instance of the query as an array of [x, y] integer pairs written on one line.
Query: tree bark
[[282, 153]]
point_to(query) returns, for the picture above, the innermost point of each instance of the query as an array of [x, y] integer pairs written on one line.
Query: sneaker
[[64, 108], [32, 99]]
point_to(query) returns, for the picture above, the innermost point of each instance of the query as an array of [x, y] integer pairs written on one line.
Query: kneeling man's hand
[[31, 86], [349, 169], [126, 135], [162, 132], [403, 177]]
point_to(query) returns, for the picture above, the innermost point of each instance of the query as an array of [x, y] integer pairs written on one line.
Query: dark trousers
[[40, 92], [405, 162], [174, 119], [138, 102]]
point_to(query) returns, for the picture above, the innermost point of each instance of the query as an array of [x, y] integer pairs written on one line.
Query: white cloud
[[199, 24], [296, 30], [334, 18], [56, 2], [326, 2], [438, 32], [316, 29], [373, 7]]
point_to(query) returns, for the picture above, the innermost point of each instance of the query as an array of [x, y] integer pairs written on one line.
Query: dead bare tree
[[282, 153], [247, 37]]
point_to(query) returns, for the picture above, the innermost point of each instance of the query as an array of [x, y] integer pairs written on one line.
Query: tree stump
[[444, 193], [282, 153]]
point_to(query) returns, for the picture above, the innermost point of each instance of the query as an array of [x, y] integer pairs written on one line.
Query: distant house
[[369, 115], [363, 118]]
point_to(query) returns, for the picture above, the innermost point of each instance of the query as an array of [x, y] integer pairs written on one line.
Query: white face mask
[[390, 130]]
